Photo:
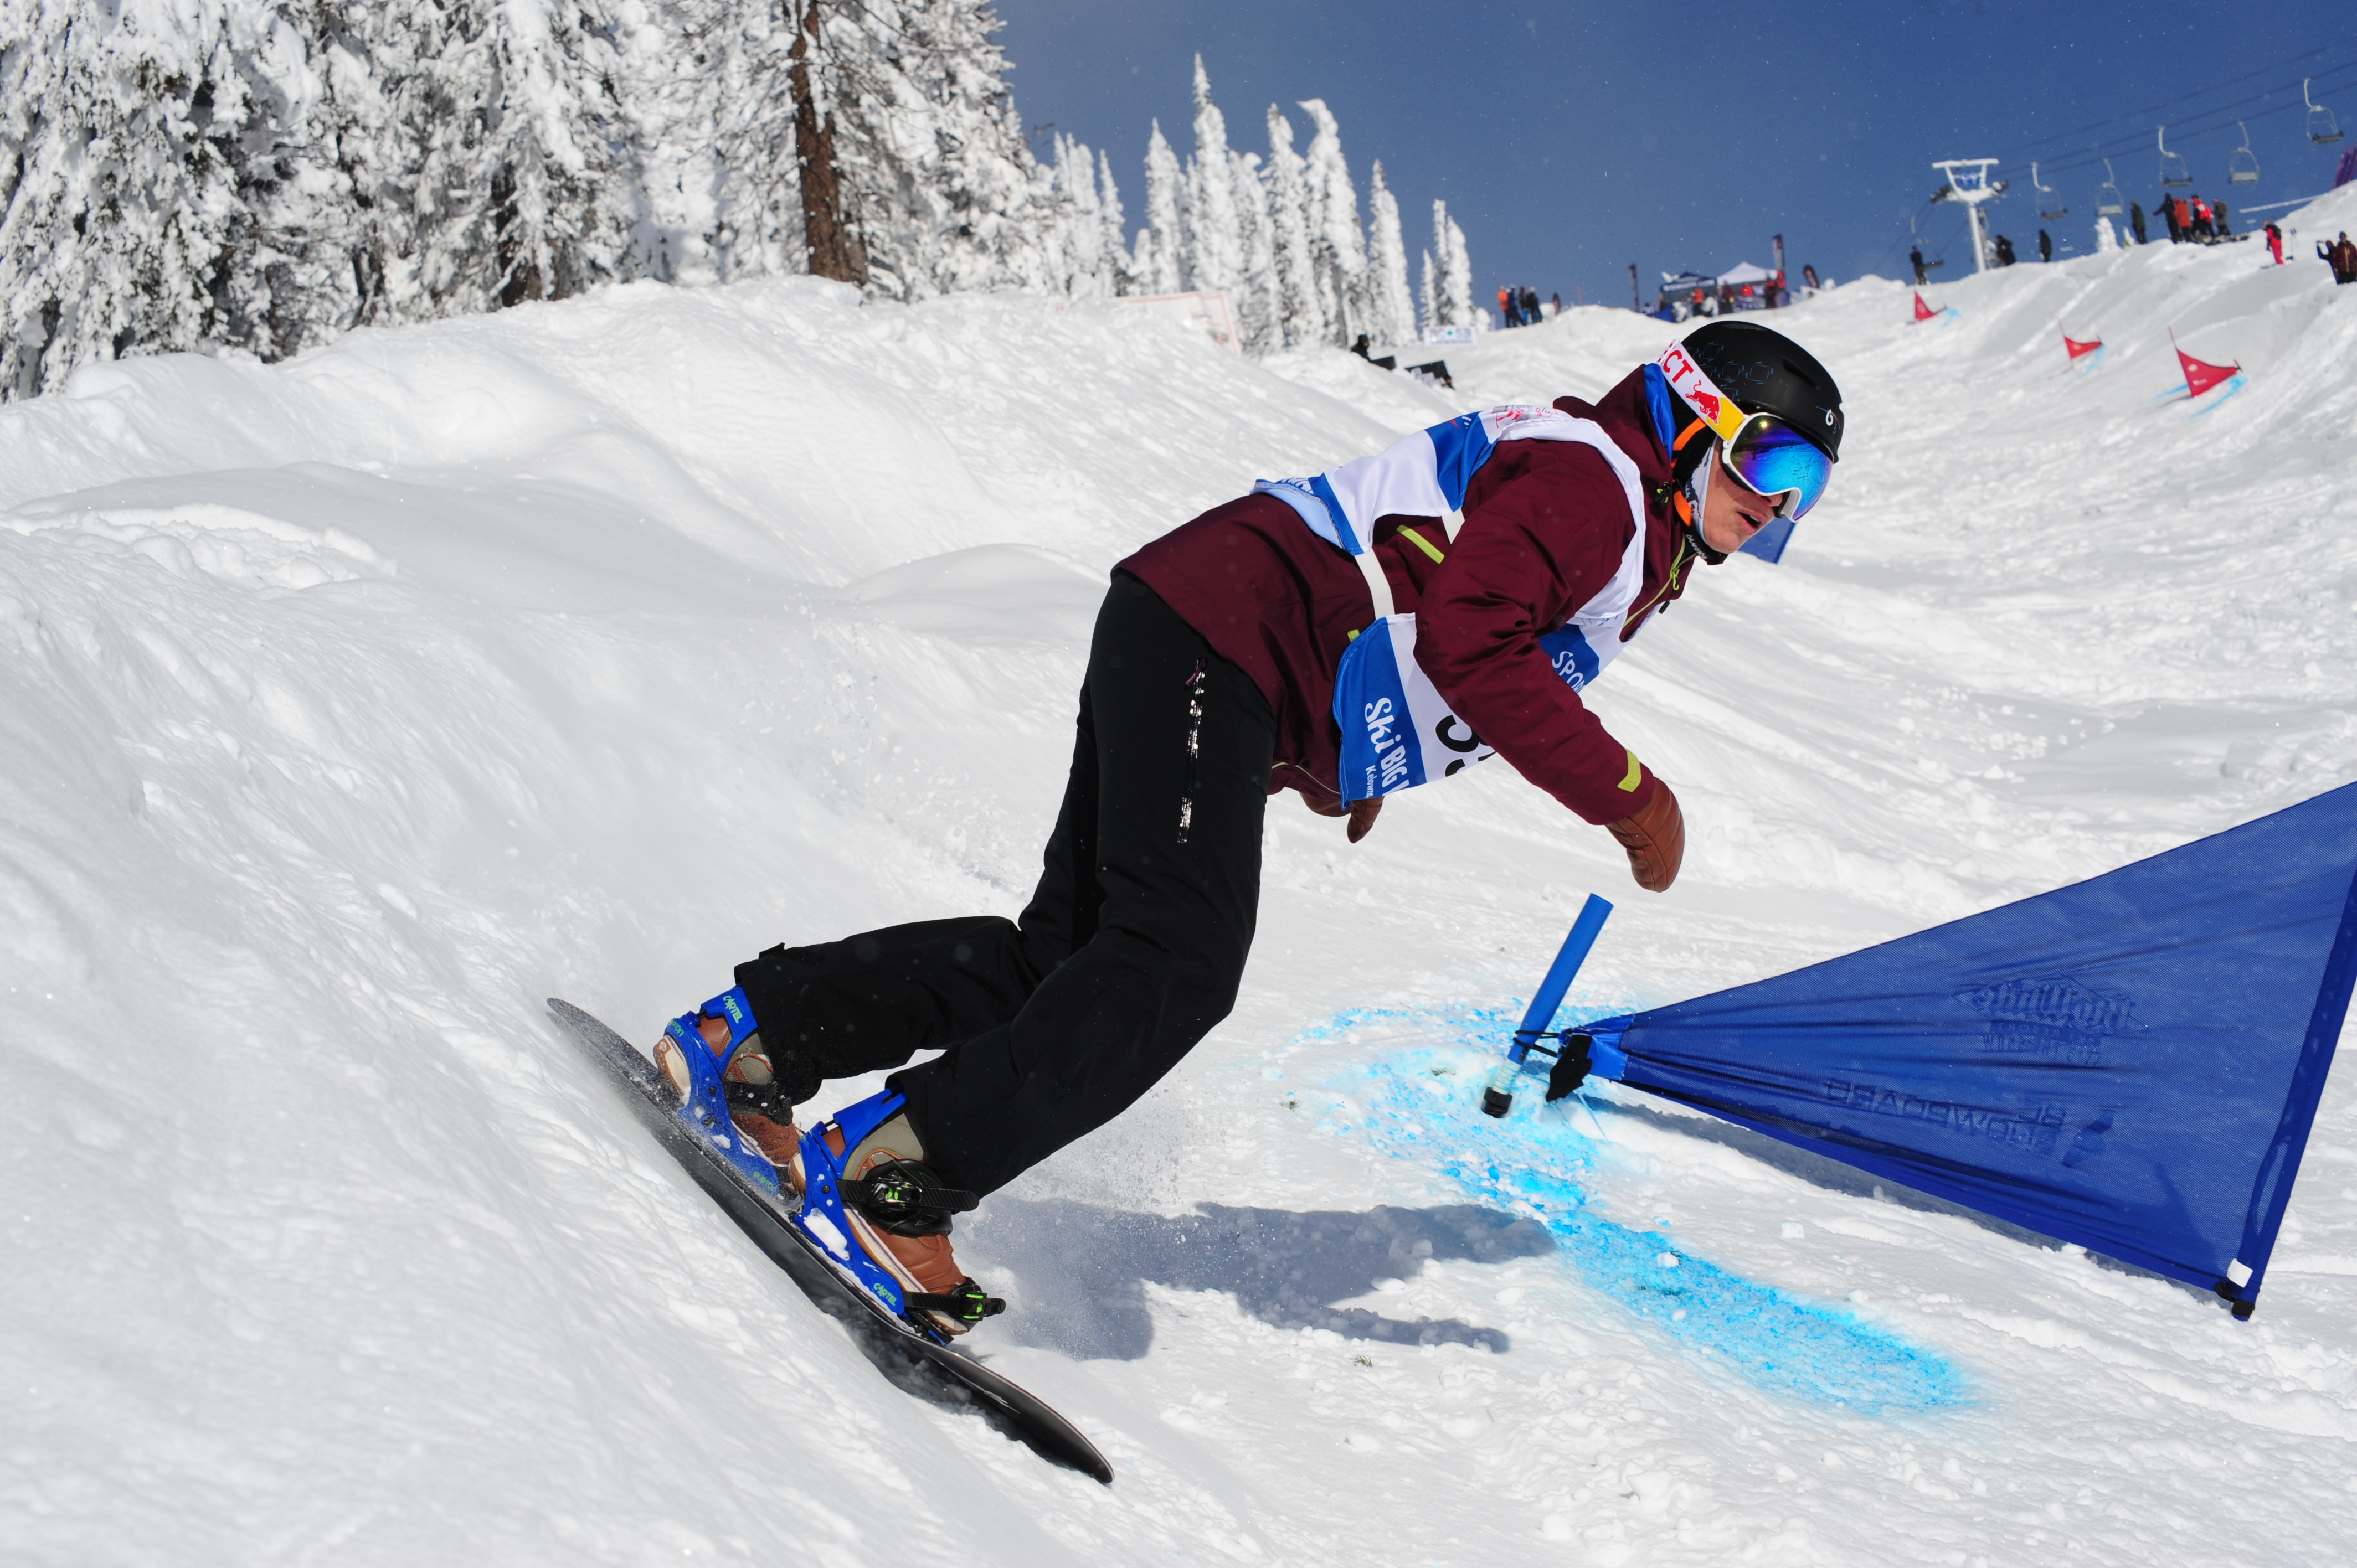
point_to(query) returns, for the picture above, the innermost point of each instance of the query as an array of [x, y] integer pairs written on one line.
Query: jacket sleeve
[[1531, 551]]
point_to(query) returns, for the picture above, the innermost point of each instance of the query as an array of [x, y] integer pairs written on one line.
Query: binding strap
[[898, 1192], [967, 1304]]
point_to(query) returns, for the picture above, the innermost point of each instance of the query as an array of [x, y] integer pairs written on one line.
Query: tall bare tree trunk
[[834, 251]]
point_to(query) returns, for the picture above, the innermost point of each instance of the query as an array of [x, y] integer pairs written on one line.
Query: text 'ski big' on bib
[[1397, 729]]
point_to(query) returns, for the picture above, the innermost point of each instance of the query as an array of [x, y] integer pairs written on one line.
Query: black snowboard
[[1029, 1417]]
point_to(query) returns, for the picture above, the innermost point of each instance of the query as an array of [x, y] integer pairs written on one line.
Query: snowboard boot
[[727, 1084], [864, 1172]]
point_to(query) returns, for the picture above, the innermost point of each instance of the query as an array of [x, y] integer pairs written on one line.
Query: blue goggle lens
[[1773, 458]]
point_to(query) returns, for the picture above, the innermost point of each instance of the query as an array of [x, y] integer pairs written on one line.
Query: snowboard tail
[[1036, 1422]]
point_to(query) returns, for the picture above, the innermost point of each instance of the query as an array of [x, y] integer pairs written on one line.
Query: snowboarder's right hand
[[1655, 838]]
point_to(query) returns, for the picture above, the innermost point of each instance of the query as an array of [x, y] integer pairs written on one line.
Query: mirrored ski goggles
[[1776, 460]]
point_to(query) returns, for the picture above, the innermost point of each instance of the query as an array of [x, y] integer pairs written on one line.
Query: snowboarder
[[1915, 255], [1223, 657], [2275, 243], [2045, 246], [2136, 219], [2004, 247]]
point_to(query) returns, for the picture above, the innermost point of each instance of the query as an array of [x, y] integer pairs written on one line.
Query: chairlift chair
[[2108, 203], [2174, 171], [1915, 242], [2047, 193], [2322, 128], [2242, 164]]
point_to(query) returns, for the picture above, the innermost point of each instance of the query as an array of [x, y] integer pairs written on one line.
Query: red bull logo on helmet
[[1701, 393]]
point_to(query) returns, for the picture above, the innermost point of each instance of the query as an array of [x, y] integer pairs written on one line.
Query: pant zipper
[[1194, 749]]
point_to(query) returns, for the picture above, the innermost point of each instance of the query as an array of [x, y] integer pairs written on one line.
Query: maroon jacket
[[1546, 525]]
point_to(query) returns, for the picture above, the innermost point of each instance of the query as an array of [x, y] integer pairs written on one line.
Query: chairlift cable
[[2198, 126], [2095, 156], [2171, 102]]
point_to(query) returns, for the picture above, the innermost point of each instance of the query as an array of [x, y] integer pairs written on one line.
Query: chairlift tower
[[1968, 182]]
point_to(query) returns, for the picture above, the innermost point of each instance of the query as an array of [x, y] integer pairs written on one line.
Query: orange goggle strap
[[1687, 455]]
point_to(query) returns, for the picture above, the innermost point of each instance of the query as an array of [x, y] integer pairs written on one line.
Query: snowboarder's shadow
[[1080, 1272]]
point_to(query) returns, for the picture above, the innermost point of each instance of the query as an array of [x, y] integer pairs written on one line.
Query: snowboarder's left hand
[[1360, 812], [1655, 838]]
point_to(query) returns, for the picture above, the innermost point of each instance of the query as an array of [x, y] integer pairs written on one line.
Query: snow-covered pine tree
[[1426, 296], [833, 246], [557, 222], [1390, 310], [1464, 274], [1451, 290], [1260, 298], [1215, 252], [417, 90], [1161, 258], [679, 64], [1121, 274], [1304, 315], [936, 182], [979, 172], [1334, 235], [1076, 232], [757, 230], [118, 192], [280, 102]]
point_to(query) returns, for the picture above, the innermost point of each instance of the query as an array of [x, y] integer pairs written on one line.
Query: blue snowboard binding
[[864, 1223], [697, 1070]]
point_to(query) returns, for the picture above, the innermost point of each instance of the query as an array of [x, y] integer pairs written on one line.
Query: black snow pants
[[1131, 949]]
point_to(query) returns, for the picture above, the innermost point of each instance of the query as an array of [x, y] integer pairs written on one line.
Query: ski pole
[[1498, 1096]]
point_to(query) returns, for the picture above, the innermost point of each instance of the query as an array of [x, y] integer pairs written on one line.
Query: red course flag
[[1923, 311], [2079, 350], [2199, 376]]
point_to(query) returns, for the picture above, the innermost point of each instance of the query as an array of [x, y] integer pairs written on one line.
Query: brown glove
[[1360, 812], [1655, 838]]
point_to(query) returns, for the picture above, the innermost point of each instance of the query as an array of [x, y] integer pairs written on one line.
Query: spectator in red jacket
[[1211, 685]]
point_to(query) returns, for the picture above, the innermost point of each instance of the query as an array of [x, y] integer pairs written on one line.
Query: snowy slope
[[352, 706]]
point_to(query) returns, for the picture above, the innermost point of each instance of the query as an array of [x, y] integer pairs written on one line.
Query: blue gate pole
[[1499, 1095]]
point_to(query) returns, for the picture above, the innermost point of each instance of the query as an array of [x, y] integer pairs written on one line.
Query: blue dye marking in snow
[[1419, 1104], [2220, 394]]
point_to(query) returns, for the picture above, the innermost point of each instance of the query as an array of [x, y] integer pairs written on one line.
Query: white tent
[[1744, 272]]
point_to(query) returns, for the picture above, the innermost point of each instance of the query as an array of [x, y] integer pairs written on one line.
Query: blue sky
[[1572, 140]]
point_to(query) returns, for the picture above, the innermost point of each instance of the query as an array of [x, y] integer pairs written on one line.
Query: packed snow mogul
[[1380, 625]]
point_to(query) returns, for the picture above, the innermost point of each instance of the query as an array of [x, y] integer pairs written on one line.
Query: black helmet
[[1766, 372]]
